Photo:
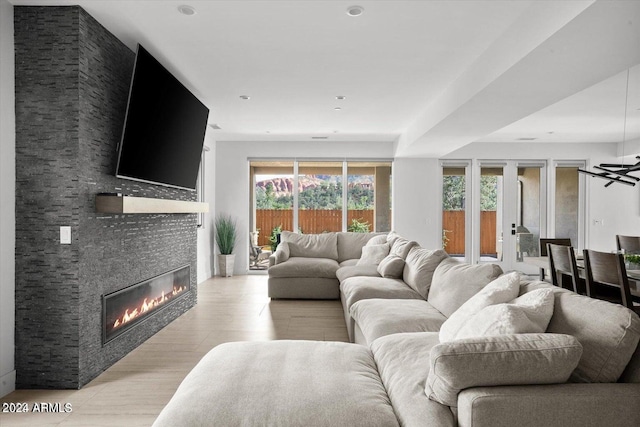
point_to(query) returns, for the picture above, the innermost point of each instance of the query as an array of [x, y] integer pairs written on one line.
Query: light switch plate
[[65, 235]]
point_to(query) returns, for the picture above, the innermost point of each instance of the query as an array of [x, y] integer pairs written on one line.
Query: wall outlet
[[598, 222], [65, 235]]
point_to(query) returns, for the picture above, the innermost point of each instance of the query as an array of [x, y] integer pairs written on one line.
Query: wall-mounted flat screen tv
[[164, 128]]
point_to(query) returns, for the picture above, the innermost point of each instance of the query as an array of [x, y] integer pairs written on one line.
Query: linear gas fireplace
[[127, 307]]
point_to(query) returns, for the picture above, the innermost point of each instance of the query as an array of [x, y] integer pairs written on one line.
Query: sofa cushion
[[344, 272], [403, 364], [391, 266], [401, 246], [358, 288], [519, 359], [305, 267], [529, 313], [419, 267], [379, 317], [348, 263], [609, 333], [312, 245], [349, 244], [454, 282], [505, 288], [373, 254], [281, 383]]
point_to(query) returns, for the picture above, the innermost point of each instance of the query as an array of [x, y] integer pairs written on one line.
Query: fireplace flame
[[147, 305]]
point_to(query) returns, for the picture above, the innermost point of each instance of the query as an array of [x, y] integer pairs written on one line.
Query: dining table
[[542, 262]]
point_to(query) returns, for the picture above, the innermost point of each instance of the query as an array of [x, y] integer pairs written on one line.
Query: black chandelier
[[618, 172]]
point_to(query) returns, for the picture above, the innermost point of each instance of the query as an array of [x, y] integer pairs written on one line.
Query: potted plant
[[273, 239], [226, 233]]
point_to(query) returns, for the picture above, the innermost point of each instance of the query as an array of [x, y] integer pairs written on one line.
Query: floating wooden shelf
[[144, 205]]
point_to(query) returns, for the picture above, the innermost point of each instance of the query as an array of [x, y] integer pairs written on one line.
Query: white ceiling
[[431, 76]]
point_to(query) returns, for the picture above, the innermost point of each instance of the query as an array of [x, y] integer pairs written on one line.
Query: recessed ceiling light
[[355, 10], [245, 97], [214, 126], [337, 108], [186, 10], [341, 97]]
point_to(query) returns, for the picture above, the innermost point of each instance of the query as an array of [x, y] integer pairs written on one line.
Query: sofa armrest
[[281, 254], [550, 405]]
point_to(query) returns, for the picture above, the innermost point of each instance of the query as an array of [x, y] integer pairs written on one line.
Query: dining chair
[[543, 248], [628, 243], [558, 241], [604, 272], [562, 263]]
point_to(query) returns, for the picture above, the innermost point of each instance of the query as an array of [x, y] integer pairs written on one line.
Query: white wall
[[617, 207], [232, 175], [7, 201], [417, 210], [205, 233]]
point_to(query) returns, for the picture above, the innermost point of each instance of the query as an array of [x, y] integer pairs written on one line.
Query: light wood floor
[[134, 390]]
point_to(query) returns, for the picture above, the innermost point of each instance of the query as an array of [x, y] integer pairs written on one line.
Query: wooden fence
[[310, 221], [453, 221]]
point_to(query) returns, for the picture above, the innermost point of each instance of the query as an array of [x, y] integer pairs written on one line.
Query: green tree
[[488, 193], [453, 193], [360, 198]]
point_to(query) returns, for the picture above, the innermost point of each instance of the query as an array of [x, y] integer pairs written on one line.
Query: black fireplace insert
[[123, 309]]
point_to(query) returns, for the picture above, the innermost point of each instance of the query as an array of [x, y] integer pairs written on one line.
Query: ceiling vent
[[355, 10], [186, 10]]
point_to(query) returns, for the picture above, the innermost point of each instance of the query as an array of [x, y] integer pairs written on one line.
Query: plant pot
[[225, 264]]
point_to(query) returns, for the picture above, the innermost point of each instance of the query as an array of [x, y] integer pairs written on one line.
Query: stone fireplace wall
[[72, 83]]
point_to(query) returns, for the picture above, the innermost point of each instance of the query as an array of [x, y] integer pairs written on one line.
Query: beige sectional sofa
[[578, 364]]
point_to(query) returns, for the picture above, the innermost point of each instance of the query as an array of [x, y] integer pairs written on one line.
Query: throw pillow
[[391, 267], [377, 240], [454, 282], [505, 288], [373, 254], [529, 313], [419, 267], [500, 360], [402, 246], [312, 245]]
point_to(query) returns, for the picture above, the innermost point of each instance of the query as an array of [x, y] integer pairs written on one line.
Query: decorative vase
[[225, 264]]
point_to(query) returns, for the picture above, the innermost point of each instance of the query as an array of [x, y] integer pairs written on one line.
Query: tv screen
[[164, 128]]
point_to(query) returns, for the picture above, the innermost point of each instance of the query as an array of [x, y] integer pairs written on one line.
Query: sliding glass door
[[320, 198], [455, 218], [494, 211], [317, 196], [511, 212]]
